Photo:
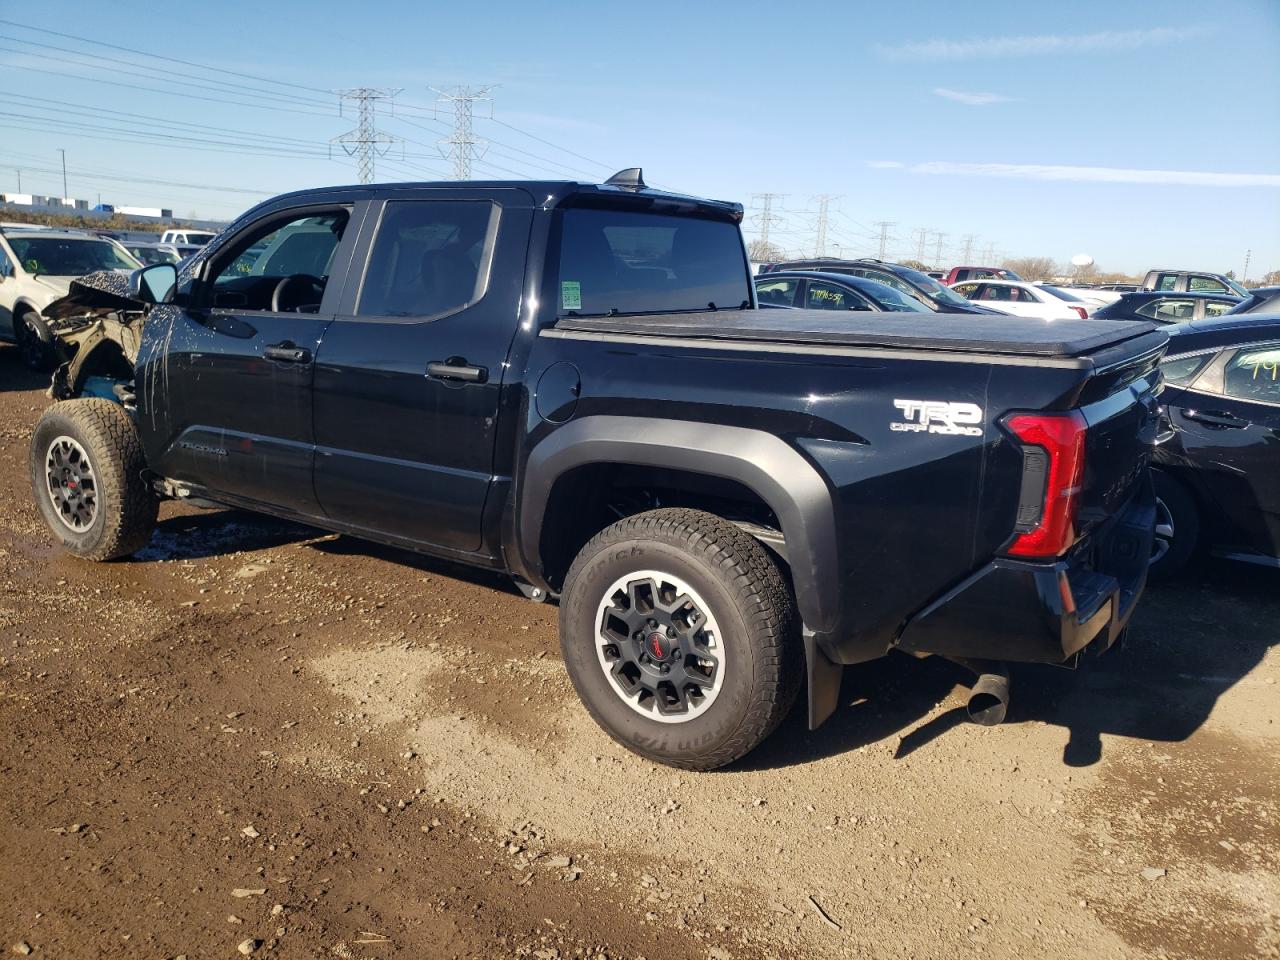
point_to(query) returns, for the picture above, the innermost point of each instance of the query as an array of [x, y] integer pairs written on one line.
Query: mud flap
[[824, 681]]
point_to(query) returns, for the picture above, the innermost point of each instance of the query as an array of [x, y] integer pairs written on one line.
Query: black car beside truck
[[571, 384], [933, 294], [1217, 467]]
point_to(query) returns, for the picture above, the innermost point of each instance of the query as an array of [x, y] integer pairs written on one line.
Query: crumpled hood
[[105, 291]]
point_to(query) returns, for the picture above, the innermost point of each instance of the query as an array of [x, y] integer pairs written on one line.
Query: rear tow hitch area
[[989, 696]]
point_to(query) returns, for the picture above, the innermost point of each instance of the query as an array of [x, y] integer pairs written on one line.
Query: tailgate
[[1121, 407]]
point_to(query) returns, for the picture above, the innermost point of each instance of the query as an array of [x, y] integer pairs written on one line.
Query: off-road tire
[[35, 353], [751, 602], [1185, 515], [126, 508]]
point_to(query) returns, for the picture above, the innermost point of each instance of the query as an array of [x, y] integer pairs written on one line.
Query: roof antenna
[[632, 178]]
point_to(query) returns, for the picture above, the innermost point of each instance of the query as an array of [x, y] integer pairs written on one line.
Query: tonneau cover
[[958, 332]]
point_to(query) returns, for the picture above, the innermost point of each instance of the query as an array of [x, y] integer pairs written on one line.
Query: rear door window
[[430, 258], [776, 293], [1254, 374], [829, 296], [1182, 370], [1216, 308], [630, 262], [1167, 281]]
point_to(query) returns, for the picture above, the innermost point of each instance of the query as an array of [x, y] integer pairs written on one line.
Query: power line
[[158, 56], [365, 142], [464, 146]]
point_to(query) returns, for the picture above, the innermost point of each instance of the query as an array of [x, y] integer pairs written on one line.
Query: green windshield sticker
[[570, 295]]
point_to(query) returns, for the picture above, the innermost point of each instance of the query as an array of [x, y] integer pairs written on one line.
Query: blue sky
[[1142, 134]]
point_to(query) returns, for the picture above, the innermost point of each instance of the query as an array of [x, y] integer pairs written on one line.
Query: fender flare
[[760, 461]]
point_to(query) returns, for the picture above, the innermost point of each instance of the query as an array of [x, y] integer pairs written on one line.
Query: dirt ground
[[259, 732]]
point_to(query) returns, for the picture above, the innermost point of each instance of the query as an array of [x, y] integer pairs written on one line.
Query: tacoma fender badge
[[938, 416]]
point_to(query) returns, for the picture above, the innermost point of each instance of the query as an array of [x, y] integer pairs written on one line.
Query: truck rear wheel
[[680, 635], [86, 475]]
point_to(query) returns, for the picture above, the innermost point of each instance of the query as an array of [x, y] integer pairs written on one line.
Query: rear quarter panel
[[916, 510]]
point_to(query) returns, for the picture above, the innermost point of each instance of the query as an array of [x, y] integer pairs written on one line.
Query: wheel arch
[[774, 472]]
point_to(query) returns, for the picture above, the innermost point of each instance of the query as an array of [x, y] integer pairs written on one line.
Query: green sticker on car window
[[570, 295]]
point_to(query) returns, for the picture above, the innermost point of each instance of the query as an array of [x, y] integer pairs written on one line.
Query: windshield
[[622, 261], [69, 256], [932, 287], [1237, 289], [1060, 293], [893, 300]]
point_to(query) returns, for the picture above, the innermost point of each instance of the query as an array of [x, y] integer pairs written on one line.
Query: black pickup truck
[[570, 383]]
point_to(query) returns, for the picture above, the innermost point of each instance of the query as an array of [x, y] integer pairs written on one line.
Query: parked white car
[[187, 238], [1027, 299], [36, 268]]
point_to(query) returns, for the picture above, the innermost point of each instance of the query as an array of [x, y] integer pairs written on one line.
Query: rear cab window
[[616, 262]]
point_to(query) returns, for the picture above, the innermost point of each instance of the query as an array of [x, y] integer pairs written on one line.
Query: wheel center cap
[[658, 646]]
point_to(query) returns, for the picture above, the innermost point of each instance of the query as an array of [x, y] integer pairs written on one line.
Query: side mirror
[[153, 284]]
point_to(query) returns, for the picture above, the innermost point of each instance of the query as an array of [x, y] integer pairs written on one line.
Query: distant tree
[[1230, 274], [1271, 279], [760, 252], [1032, 268]]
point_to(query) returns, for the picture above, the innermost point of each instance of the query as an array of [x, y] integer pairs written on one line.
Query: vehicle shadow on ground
[[1189, 643], [14, 377], [218, 531], [212, 533]]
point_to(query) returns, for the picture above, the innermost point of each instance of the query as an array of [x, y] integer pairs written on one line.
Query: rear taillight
[[1084, 314], [1052, 471]]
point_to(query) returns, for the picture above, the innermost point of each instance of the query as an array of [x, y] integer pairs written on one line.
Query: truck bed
[[955, 333]]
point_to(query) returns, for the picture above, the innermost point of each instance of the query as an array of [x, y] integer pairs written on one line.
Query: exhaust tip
[[989, 700]]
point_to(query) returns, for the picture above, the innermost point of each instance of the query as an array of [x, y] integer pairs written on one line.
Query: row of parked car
[[37, 265], [1217, 467]]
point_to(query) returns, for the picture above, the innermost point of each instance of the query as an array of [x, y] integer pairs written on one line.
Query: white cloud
[[986, 48], [972, 99], [1035, 171]]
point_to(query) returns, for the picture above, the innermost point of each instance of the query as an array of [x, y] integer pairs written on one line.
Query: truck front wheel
[[87, 478], [680, 635]]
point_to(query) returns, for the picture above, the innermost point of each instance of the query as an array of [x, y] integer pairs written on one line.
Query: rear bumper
[[1044, 612]]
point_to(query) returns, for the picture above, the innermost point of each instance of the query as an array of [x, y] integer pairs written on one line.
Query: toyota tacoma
[[570, 383]]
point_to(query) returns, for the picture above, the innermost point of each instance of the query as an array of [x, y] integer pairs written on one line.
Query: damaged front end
[[97, 332]]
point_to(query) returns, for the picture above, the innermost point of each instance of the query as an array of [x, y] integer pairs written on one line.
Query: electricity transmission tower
[[921, 233], [1244, 274], [884, 226], [990, 255], [365, 142], [464, 146], [937, 255], [820, 241], [766, 216], [968, 246]]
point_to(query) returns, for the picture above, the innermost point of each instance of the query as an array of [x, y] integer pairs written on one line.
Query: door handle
[[287, 352], [455, 368], [1222, 420]]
